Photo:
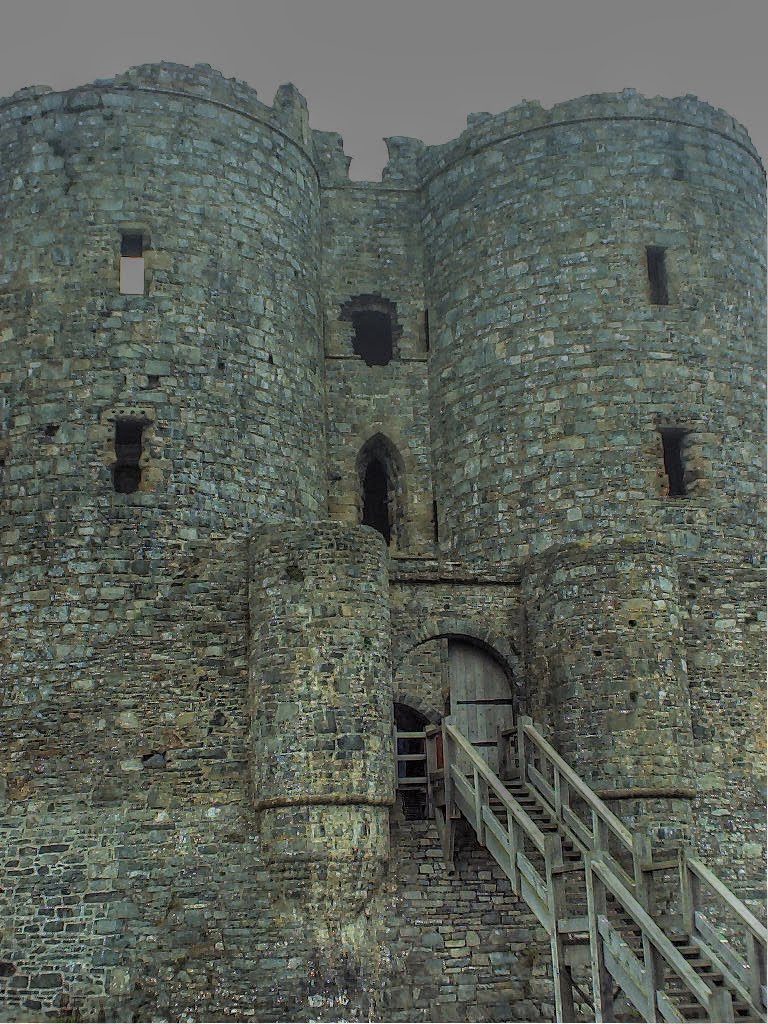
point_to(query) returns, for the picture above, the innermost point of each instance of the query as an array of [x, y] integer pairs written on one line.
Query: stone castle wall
[[183, 667]]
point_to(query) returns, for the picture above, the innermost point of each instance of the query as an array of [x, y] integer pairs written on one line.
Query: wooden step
[[695, 1011]]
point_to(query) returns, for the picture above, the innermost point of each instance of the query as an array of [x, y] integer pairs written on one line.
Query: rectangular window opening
[[126, 472], [426, 329], [655, 256], [132, 264], [435, 523], [672, 439]]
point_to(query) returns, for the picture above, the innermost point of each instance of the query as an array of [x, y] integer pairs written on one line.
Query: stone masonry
[[510, 396]]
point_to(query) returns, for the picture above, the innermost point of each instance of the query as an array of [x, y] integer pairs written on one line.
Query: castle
[[287, 459]]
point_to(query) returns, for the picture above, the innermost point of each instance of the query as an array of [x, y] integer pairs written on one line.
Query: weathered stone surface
[[185, 667]]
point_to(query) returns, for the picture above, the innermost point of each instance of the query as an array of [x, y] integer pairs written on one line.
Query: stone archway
[[447, 627], [459, 666]]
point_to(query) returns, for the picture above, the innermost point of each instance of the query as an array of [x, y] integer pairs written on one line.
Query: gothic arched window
[[381, 481], [376, 499]]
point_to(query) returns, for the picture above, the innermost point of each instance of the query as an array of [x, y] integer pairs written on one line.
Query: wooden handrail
[[651, 931], [722, 891], [579, 787], [644, 985], [481, 766]]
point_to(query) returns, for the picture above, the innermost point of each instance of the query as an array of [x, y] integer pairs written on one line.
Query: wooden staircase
[[590, 883]]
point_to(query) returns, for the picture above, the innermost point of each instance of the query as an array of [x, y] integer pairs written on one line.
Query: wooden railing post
[[449, 830], [447, 764], [721, 1005], [502, 745], [756, 966], [553, 862], [480, 789], [514, 846], [602, 983], [522, 763], [599, 833], [642, 863], [397, 761], [686, 890], [431, 732], [562, 793]]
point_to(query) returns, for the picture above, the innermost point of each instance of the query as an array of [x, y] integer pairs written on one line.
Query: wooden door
[[481, 697]]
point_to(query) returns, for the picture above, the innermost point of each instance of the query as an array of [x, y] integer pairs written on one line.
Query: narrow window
[[126, 472], [672, 439], [376, 499], [426, 329], [132, 263], [381, 494], [657, 274], [435, 523]]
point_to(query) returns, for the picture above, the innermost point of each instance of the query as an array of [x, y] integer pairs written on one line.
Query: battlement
[[411, 162]]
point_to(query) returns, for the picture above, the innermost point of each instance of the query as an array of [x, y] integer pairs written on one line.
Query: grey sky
[[390, 67]]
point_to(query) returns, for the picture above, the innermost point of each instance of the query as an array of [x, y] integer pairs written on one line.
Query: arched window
[[381, 480], [376, 499]]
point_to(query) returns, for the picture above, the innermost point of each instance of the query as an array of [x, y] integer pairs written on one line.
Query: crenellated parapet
[[418, 163]]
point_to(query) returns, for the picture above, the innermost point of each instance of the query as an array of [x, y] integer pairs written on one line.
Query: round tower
[[161, 348], [596, 282], [321, 713], [160, 385], [597, 289]]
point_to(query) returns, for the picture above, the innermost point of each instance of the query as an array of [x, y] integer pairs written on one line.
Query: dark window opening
[[126, 473], [375, 328], [435, 523], [657, 274], [376, 499], [381, 489], [672, 440], [132, 245], [373, 337], [426, 329]]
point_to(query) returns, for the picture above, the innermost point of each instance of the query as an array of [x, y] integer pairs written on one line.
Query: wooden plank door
[[481, 697]]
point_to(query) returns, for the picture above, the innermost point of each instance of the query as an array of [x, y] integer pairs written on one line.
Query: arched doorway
[[481, 701], [411, 761]]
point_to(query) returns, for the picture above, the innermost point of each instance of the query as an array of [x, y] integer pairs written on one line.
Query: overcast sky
[[371, 68]]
